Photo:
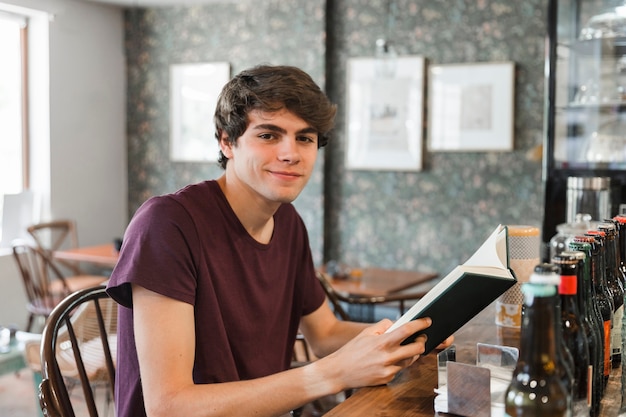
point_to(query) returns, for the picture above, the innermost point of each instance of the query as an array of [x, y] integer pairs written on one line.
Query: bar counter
[[411, 393]]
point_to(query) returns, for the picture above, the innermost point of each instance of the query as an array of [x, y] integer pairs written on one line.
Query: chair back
[[56, 235], [332, 296], [78, 347], [44, 284]]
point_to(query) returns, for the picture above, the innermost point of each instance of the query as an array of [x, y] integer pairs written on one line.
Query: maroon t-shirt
[[248, 297]]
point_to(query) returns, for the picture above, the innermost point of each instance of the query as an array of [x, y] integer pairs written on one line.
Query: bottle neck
[[538, 341]]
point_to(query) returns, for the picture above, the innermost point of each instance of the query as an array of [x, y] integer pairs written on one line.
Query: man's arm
[[325, 333], [165, 340]]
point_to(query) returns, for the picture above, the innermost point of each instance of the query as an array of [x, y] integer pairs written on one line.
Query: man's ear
[[226, 145]]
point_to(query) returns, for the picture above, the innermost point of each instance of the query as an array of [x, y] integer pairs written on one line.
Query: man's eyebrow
[[278, 129]]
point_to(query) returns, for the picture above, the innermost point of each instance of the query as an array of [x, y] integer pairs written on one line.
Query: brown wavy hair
[[271, 88]]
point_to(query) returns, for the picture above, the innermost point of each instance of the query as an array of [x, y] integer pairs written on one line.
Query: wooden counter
[[411, 393]]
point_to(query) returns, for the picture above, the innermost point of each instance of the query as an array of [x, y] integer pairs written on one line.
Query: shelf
[[615, 106], [609, 47], [590, 166]]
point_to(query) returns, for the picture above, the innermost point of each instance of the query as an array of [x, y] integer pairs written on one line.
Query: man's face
[[274, 158]]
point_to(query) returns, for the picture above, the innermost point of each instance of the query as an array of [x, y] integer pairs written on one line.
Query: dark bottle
[[573, 333], [614, 283], [583, 244], [621, 221], [592, 334], [604, 297], [536, 389], [550, 274]]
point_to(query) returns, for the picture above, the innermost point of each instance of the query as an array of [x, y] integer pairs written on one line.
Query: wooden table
[[103, 255], [411, 393], [374, 286], [381, 282]]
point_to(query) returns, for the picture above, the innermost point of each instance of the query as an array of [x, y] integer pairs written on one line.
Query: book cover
[[464, 292]]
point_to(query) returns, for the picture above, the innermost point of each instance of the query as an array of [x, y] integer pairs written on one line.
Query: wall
[[243, 34], [432, 219], [78, 127], [437, 217]]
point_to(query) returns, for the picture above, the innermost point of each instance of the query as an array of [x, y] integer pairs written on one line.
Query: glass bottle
[[573, 333], [583, 244], [536, 389], [603, 296], [590, 328], [550, 274], [614, 283], [566, 233], [621, 220]]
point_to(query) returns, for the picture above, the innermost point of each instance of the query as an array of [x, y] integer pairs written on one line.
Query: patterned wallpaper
[[432, 219]]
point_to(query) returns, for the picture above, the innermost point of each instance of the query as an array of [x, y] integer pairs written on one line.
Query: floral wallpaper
[[432, 219]]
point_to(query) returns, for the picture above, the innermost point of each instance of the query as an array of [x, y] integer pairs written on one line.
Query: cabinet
[[585, 124]]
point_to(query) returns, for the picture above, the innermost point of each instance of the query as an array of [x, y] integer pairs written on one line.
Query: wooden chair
[[56, 235], [336, 298], [45, 285], [78, 347]]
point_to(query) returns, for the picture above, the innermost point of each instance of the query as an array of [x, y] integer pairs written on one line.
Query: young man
[[215, 279]]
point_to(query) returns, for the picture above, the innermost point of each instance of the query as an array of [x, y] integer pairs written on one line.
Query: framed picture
[[194, 89], [470, 107], [385, 113]]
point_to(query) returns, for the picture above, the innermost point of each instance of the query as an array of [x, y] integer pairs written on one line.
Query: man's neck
[[256, 216]]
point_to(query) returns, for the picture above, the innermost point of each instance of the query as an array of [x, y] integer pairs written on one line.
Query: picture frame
[[470, 107], [385, 113], [194, 89]]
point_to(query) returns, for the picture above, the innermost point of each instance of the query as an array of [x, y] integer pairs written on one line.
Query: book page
[[493, 251]]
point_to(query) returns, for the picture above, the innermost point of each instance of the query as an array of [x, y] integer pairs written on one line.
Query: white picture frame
[[194, 89], [385, 113], [470, 107]]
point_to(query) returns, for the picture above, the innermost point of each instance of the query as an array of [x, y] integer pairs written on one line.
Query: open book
[[464, 292]]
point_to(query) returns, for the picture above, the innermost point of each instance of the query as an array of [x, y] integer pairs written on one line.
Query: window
[[13, 116]]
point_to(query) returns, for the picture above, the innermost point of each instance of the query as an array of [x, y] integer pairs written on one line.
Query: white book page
[[492, 252]]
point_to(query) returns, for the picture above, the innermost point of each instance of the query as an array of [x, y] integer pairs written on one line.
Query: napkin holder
[[475, 390]]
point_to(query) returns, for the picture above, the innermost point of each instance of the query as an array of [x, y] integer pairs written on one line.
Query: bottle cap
[[546, 273], [620, 218], [533, 289], [565, 258], [579, 255]]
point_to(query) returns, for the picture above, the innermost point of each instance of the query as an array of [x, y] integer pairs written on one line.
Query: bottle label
[[607, 348], [616, 331]]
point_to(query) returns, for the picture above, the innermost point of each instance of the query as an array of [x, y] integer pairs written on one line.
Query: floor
[[17, 395], [17, 398]]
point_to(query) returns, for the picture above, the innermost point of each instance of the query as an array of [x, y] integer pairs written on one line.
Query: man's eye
[[310, 139], [266, 136]]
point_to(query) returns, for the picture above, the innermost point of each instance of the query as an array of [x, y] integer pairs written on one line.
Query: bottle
[[621, 220], [604, 297], [536, 389], [567, 231], [549, 274], [614, 283], [573, 333], [583, 244], [592, 334]]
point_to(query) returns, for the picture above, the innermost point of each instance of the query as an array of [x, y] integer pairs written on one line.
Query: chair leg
[[30, 322]]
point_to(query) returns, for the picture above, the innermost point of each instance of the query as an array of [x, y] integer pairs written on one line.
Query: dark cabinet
[[585, 114]]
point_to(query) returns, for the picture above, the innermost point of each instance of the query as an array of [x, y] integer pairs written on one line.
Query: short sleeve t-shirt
[[248, 297]]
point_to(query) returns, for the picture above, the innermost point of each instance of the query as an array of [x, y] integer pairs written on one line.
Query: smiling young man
[[215, 280]]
